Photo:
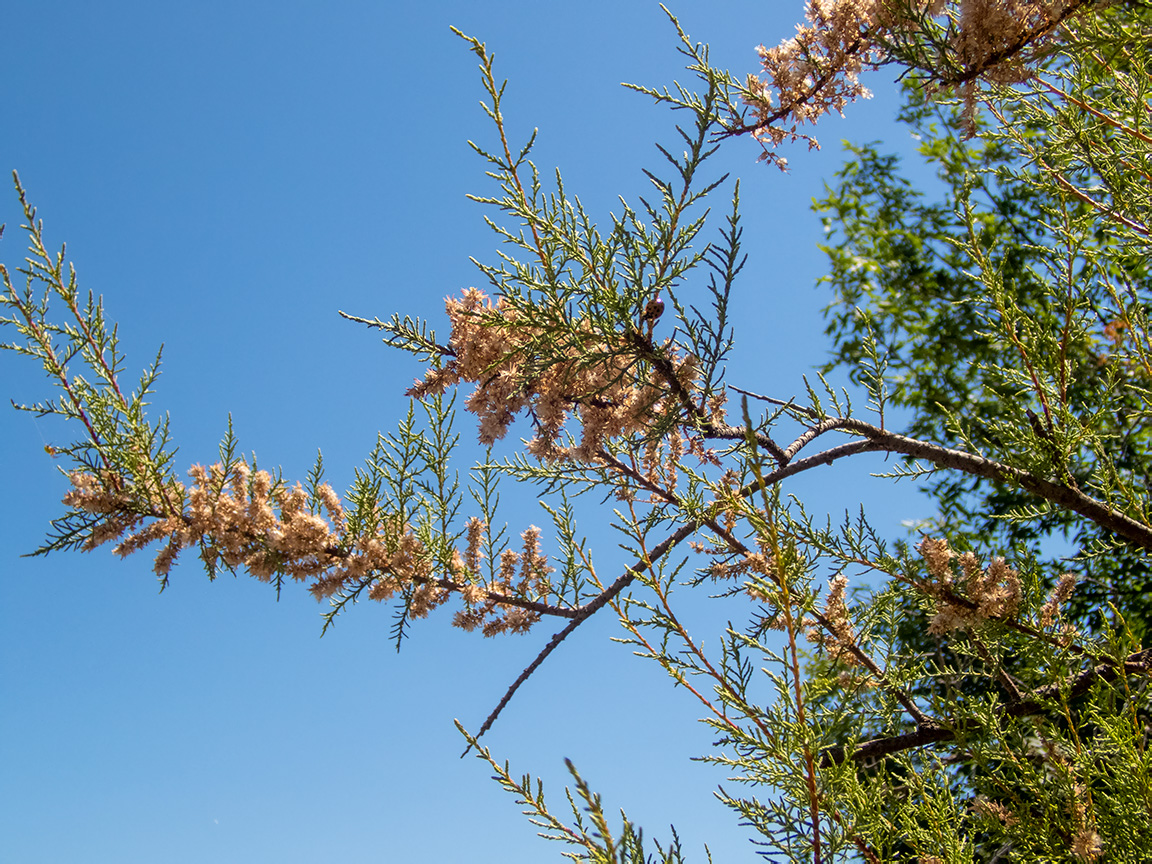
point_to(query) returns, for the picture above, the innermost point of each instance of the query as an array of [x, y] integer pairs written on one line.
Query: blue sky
[[227, 176]]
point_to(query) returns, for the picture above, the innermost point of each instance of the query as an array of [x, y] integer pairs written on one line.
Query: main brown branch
[[1030, 704]]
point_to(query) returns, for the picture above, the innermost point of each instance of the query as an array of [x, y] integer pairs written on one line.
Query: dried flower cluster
[[838, 637], [992, 592], [521, 574], [242, 518], [662, 458], [105, 496], [994, 810], [238, 517], [1087, 845], [1060, 594], [818, 70], [991, 33], [506, 355]]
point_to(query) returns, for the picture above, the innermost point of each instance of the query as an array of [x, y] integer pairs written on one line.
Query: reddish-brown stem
[[61, 374], [692, 646]]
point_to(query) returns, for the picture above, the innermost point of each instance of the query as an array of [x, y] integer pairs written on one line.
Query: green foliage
[[590, 829], [117, 438], [1009, 311]]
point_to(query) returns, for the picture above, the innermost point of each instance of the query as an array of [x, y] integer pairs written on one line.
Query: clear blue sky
[[228, 175]]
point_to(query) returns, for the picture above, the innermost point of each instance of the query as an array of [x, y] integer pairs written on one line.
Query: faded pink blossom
[[505, 356]]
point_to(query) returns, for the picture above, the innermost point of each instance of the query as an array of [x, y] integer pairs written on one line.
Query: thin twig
[[583, 614]]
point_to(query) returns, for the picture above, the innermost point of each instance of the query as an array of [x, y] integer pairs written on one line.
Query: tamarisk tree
[[938, 698]]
